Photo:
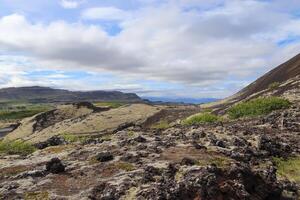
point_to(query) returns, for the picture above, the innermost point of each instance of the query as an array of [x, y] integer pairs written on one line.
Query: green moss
[[109, 104], [201, 118], [288, 169], [37, 195], [16, 147], [257, 107], [107, 137], [125, 166], [161, 125], [131, 134], [74, 138], [274, 85]]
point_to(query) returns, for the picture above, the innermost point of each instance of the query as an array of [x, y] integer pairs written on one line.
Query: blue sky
[[167, 48]]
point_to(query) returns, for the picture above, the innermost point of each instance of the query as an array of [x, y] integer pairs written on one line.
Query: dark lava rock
[[128, 157], [211, 183], [55, 166], [240, 142], [198, 146], [273, 146], [149, 174], [188, 161], [104, 191], [220, 143], [140, 139], [104, 157], [53, 141]]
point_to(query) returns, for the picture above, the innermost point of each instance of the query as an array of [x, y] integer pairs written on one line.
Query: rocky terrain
[[145, 152], [231, 160]]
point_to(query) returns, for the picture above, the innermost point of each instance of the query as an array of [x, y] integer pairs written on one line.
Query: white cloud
[[164, 42], [104, 13], [70, 4]]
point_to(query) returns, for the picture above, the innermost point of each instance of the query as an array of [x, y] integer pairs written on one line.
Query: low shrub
[[257, 107], [16, 148], [201, 118]]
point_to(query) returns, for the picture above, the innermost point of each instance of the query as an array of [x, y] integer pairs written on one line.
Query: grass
[[16, 148], [200, 118], [161, 125], [257, 107], [274, 85], [109, 104], [74, 138], [288, 169], [20, 110]]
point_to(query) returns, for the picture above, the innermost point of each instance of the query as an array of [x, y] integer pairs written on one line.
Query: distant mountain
[[181, 100], [38, 94]]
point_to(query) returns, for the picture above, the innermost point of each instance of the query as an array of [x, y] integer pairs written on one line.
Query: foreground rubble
[[230, 160]]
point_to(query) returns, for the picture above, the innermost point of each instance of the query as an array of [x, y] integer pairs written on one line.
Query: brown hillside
[[283, 72]]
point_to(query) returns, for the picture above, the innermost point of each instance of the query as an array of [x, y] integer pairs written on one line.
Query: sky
[[158, 48]]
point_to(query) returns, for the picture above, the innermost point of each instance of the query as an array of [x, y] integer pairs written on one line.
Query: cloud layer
[[195, 43]]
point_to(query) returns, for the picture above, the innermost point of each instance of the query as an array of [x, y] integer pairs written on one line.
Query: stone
[[55, 166], [104, 157]]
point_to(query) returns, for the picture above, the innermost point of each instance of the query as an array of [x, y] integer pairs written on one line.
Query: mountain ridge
[[38, 94]]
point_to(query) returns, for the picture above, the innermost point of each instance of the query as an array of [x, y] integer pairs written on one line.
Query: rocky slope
[[283, 81], [80, 119], [48, 95]]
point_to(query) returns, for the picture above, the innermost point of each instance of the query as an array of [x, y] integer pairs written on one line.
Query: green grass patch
[[10, 111], [16, 148], [109, 104], [288, 169], [257, 107], [161, 125], [274, 85], [201, 118], [74, 138]]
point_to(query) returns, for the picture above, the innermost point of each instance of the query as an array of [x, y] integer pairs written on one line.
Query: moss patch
[[125, 166], [37, 196], [74, 138], [16, 148], [288, 169], [161, 125]]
